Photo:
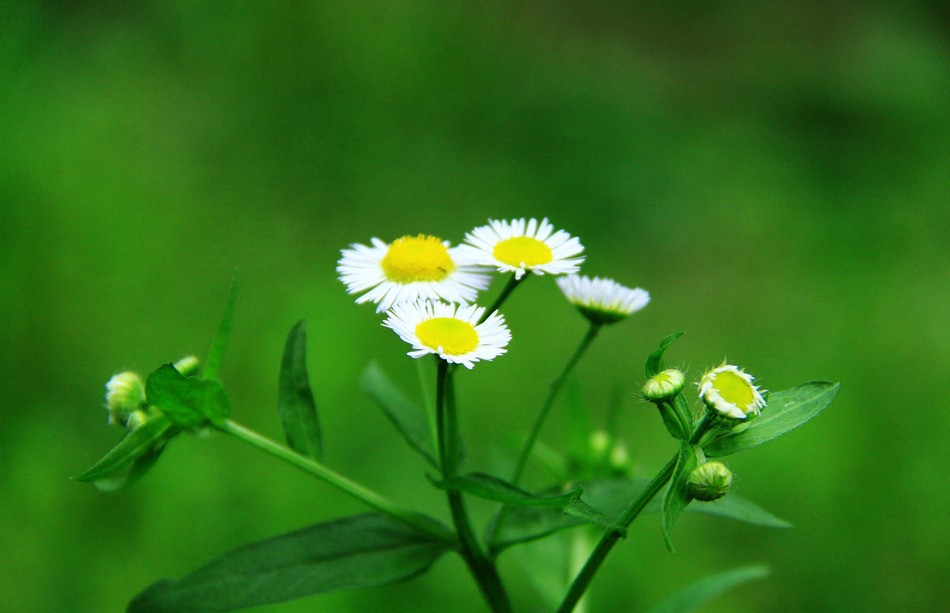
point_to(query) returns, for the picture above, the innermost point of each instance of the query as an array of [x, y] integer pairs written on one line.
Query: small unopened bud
[[136, 419], [608, 453], [710, 481], [187, 366], [664, 385], [125, 393]]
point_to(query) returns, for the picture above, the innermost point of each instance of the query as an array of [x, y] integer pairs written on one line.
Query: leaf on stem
[[696, 594], [655, 361], [498, 490], [220, 342], [785, 411], [677, 496], [140, 466], [135, 445], [408, 418], [360, 551], [295, 403], [187, 401]]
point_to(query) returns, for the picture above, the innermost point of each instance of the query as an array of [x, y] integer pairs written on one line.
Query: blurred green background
[[775, 174]]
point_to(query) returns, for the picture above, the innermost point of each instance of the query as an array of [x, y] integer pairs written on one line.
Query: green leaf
[[785, 411], [187, 401], [609, 498], [220, 342], [408, 418], [580, 509], [295, 403], [361, 551], [677, 496], [696, 594], [655, 361], [135, 445], [138, 469], [498, 490]]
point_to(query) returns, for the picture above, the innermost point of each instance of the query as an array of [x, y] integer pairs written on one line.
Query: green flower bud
[[709, 481], [125, 394], [608, 453], [664, 385], [187, 366]]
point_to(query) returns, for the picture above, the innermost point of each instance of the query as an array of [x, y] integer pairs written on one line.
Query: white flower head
[[729, 390], [450, 331], [409, 269], [602, 301], [518, 246]]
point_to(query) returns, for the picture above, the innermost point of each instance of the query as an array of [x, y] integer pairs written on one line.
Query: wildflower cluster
[[428, 293]]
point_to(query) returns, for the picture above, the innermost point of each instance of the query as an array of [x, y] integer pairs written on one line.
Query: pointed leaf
[[295, 403], [135, 445], [655, 361], [738, 508], [696, 594], [677, 495], [499, 490], [139, 467], [785, 411], [220, 342], [187, 401], [408, 418], [580, 509], [360, 551]]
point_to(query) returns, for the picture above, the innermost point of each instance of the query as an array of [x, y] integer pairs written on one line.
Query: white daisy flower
[[409, 269], [450, 331], [729, 390], [602, 301], [518, 246]]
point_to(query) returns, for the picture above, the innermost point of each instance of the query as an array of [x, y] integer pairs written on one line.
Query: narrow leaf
[[785, 411], [677, 495], [139, 467], [220, 343], [135, 445], [408, 418], [738, 508], [498, 490], [655, 361], [295, 403], [696, 594], [361, 551], [580, 509], [187, 401]]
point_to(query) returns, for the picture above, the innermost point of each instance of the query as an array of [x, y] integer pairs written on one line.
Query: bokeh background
[[775, 174]]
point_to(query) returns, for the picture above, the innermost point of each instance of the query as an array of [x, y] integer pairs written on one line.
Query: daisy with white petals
[[729, 390], [410, 269], [450, 331], [518, 246], [602, 301]]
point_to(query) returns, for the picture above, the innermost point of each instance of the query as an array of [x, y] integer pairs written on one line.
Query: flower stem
[[481, 567], [513, 282], [361, 493], [610, 537]]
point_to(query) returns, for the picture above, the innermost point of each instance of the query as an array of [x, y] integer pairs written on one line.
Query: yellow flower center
[[454, 336], [417, 258], [734, 389], [524, 250]]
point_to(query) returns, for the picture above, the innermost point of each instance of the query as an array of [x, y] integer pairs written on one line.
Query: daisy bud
[[125, 393], [728, 390], [710, 481], [187, 366], [602, 301], [664, 385]]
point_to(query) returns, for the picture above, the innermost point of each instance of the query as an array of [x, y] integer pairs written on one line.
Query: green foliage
[[655, 360], [409, 419], [697, 594], [136, 445], [188, 401], [360, 551], [677, 496], [220, 342], [786, 410], [295, 404], [489, 487]]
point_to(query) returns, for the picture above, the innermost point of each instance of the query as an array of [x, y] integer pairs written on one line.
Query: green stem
[[510, 287], [610, 537], [481, 567], [553, 390], [361, 493]]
